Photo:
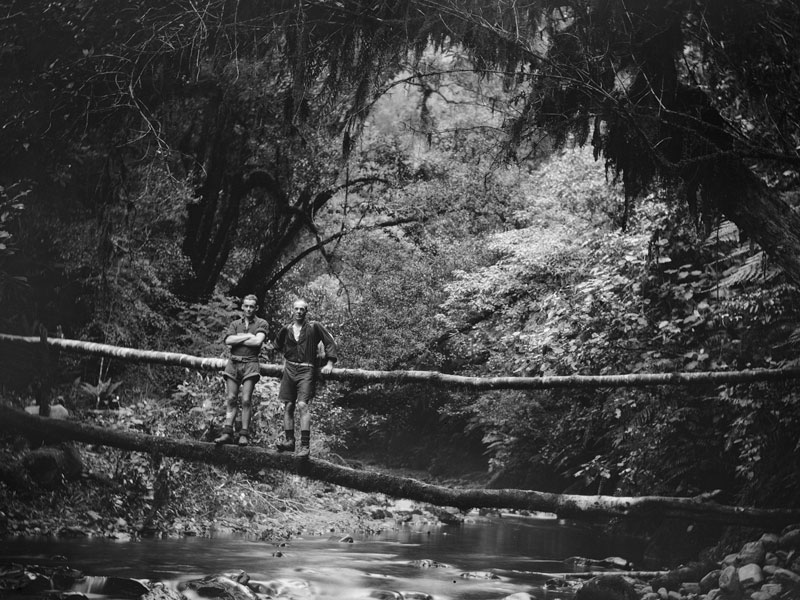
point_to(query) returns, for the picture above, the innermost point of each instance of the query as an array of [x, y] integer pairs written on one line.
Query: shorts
[[238, 370], [298, 384]]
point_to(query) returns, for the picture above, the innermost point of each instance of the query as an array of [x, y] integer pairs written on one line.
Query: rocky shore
[[764, 569]]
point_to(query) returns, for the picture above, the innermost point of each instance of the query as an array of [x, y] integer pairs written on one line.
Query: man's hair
[[303, 300], [252, 297]]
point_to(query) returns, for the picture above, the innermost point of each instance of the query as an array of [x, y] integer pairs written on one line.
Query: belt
[[297, 364], [243, 359]]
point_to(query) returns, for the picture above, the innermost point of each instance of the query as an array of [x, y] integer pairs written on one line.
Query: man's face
[[299, 311], [249, 308]]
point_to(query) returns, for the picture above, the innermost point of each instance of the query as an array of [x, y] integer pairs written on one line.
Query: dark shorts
[[298, 384], [238, 371]]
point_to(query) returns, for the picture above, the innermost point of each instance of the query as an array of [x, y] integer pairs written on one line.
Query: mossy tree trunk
[[251, 460]]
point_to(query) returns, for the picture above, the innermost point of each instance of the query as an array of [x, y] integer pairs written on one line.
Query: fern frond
[[754, 268], [725, 232]]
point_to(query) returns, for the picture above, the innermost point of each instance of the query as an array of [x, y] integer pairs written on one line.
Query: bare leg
[[231, 397], [287, 444], [288, 416], [304, 416], [248, 385], [231, 401]]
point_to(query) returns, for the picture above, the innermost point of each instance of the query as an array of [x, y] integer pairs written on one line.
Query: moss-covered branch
[[252, 459], [429, 377]]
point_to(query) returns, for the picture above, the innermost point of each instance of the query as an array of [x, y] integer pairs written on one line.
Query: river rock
[[770, 541], [478, 575], [284, 588], [750, 576], [416, 596], [651, 596], [710, 580], [790, 539], [729, 582], [427, 563], [689, 587], [447, 517], [63, 578], [772, 559], [562, 584], [729, 559], [795, 565], [617, 562], [121, 587], [672, 580], [751, 552], [218, 586], [607, 587], [386, 595], [785, 576], [161, 592], [237, 576], [768, 591], [31, 580], [519, 596]]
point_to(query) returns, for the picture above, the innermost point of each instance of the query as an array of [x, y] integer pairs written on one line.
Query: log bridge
[[253, 459]]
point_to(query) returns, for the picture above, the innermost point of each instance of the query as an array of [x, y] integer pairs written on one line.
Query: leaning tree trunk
[[252, 459], [758, 211], [212, 219], [293, 219]]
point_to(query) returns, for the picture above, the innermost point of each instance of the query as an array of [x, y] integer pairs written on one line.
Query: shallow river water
[[511, 548]]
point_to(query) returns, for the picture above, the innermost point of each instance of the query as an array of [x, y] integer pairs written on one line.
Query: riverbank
[[122, 495]]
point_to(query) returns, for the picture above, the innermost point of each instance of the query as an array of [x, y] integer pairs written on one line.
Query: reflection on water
[[513, 547]]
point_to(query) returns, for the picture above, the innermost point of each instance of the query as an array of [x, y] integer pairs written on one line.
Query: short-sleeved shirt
[[240, 326], [304, 348]]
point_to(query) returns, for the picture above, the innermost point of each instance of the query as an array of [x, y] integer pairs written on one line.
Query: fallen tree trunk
[[252, 459], [429, 377]]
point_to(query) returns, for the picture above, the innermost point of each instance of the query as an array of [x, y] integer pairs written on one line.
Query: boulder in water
[[478, 575], [607, 587], [427, 563]]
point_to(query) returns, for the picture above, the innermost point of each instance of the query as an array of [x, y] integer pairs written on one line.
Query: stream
[[510, 548]]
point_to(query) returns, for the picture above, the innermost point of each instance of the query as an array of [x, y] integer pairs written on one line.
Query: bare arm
[[255, 340], [235, 339]]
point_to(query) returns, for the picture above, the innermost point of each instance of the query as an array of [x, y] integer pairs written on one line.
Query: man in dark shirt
[[245, 337], [298, 343]]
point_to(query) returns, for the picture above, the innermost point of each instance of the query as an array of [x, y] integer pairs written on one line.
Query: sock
[[289, 434], [305, 438]]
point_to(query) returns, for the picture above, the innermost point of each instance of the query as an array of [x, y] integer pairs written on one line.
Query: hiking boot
[[226, 436], [285, 445], [244, 437], [302, 452]]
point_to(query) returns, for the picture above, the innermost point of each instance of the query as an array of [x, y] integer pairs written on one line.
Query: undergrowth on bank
[[123, 494]]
